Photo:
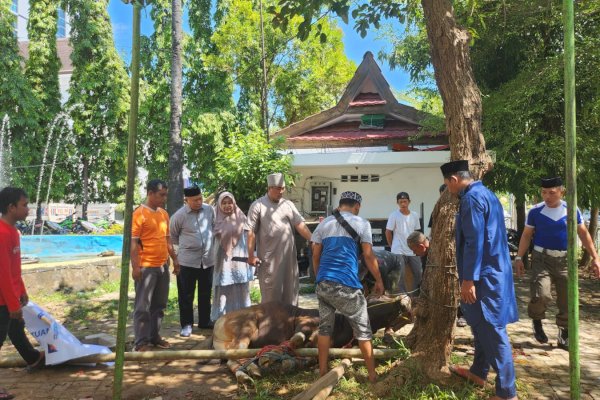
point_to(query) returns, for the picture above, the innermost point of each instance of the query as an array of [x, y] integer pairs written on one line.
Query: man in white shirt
[[401, 223]]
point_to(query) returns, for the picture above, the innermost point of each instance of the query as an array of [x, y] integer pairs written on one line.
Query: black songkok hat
[[191, 191], [351, 195], [455, 166], [552, 182]]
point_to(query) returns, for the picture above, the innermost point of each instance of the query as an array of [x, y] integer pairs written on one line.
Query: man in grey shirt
[[192, 231]]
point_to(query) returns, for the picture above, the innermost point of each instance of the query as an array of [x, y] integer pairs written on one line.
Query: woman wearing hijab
[[231, 278]]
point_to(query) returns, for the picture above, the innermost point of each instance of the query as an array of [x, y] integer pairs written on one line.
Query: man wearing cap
[[270, 225], [150, 249], [335, 261], [485, 277], [192, 231], [401, 223], [547, 225]]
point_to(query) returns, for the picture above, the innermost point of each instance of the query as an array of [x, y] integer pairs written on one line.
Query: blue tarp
[[45, 246]]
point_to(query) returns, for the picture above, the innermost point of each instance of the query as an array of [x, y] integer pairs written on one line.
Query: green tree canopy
[[18, 102], [243, 166], [98, 104]]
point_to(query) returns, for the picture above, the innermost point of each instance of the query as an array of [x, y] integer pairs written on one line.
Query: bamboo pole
[[324, 385], [131, 165], [571, 164], [169, 355]]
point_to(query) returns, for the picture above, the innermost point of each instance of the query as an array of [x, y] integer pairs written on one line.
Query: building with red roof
[[369, 143]]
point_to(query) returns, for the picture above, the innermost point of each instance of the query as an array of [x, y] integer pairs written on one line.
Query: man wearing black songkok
[[547, 225]]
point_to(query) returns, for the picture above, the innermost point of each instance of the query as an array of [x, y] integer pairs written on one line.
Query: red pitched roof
[[367, 99], [350, 131]]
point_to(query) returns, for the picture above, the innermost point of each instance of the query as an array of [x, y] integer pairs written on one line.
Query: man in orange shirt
[[150, 250], [13, 296]]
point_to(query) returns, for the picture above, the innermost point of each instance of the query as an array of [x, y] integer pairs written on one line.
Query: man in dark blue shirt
[[485, 275], [547, 225]]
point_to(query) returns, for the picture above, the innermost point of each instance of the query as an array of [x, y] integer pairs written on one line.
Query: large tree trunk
[[85, 181], [175, 197], [520, 207], [593, 228], [432, 335], [521, 215]]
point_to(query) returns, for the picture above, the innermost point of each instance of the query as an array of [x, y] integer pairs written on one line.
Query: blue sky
[[355, 46]]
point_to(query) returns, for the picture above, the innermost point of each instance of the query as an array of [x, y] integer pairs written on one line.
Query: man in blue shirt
[[335, 261], [485, 276], [547, 225]]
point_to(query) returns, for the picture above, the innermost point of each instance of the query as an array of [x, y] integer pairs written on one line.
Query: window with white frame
[[61, 32]]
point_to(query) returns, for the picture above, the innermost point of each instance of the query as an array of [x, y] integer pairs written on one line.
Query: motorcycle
[[68, 222], [514, 238]]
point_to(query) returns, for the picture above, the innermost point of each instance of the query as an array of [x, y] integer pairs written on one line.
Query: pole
[[265, 91], [14, 361], [125, 257], [571, 163]]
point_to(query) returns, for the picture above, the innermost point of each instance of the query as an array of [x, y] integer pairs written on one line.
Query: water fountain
[[42, 167], [59, 139], [5, 155]]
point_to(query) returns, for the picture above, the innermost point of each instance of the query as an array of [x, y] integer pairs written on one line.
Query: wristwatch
[[517, 258]]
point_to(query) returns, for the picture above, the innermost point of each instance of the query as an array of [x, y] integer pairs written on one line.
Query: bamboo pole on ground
[[131, 166], [169, 355], [571, 172], [324, 385]]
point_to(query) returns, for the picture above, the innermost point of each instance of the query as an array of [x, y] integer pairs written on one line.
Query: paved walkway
[[541, 369]]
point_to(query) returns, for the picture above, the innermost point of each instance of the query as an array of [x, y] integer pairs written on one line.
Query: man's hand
[[595, 268], [136, 273], [519, 267], [467, 292], [378, 289], [252, 260], [24, 299], [18, 314], [176, 268]]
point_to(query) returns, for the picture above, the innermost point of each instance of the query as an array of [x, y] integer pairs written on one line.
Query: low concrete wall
[[70, 275]]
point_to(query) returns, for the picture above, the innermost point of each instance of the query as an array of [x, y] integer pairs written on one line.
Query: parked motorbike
[[54, 228], [68, 222], [513, 240]]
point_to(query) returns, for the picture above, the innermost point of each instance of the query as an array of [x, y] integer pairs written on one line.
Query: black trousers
[[15, 329], [186, 288]]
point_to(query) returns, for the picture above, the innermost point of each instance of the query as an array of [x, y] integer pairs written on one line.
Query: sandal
[[40, 363], [4, 395], [467, 375], [162, 344]]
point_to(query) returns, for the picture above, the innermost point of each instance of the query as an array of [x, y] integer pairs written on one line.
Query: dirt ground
[[542, 371]]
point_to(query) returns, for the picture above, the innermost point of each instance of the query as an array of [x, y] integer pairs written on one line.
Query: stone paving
[[542, 370]]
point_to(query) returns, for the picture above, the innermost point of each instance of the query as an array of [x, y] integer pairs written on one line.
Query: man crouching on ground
[[13, 296], [337, 242]]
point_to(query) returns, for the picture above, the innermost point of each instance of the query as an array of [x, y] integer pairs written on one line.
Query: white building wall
[[64, 80], [417, 173], [23, 17]]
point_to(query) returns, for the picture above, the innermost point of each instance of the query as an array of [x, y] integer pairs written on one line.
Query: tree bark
[[85, 188], [175, 196], [520, 207], [593, 228], [435, 309]]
